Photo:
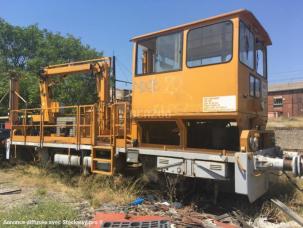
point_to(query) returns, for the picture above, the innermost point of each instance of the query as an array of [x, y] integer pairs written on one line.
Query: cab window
[[247, 48], [260, 58], [159, 54], [210, 44]]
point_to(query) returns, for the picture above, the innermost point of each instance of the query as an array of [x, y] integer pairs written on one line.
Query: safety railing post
[[93, 125], [12, 124], [114, 124], [25, 125], [125, 124], [41, 127], [78, 128]]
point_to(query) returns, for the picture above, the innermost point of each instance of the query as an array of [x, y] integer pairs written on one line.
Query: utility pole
[[114, 79]]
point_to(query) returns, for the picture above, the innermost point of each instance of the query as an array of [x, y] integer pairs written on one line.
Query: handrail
[[81, 129], [84, 128], [61, 107]]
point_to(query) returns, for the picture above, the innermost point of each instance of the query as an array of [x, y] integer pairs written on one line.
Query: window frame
[[239, 46], [260, 86], [232, 43], [264, 62], [277, 105], [155, 37], [249, 85], [265, 76]]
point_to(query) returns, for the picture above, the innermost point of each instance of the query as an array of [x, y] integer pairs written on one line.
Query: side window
[[159, 54], [209, 44], [254, 86], [257, 87], [246, 46], [260, 58]]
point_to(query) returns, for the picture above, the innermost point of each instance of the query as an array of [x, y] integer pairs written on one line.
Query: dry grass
[[33, 176], [282, 122], [97, 189], [279, 188], [120, 190], [283, 190], [105, 189]]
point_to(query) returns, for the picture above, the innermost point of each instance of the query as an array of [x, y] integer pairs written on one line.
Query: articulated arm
[[99, 67], [94, 65]]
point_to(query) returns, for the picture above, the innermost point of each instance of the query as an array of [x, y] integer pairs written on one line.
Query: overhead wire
[[125, 72], [288, 72], [123, 68], [289, 75]]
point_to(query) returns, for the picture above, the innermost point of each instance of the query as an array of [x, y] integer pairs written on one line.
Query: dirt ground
[[31, 190], [86, 195]]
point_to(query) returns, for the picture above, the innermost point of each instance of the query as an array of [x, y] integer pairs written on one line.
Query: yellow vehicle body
[[198, 92]]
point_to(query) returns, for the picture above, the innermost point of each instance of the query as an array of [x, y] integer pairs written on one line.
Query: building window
[[159, 54], [210, 44], [254, 86], [278, 102], [247, 48]]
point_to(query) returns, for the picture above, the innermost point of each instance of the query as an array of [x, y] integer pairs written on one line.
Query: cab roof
[[243, 14]]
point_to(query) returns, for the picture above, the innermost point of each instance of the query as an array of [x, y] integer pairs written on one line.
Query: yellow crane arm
[[99, 67], [93, 65]]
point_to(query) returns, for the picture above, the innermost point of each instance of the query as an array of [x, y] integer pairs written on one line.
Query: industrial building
[[285, 99]]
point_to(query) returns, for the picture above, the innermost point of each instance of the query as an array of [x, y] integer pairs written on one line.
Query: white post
[[8, 148]]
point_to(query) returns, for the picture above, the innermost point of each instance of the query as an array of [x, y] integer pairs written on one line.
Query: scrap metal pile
[[150, 209]]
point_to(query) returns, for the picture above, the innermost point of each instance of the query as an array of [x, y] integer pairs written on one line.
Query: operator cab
[[201, 80]]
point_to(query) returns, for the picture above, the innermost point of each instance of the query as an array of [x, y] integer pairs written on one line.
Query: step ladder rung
[[104, 136], [102, 160], [103, 153], [109, 173], [103, 147]]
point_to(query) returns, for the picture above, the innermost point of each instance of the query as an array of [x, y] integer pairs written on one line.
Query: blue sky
[[109, 25]]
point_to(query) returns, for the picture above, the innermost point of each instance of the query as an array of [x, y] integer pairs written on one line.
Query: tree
[[28, 49]]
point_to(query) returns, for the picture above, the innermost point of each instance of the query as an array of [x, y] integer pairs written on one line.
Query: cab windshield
[[159, 54]]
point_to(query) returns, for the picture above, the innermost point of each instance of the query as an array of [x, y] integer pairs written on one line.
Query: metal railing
[[79, 125], [72, 125]]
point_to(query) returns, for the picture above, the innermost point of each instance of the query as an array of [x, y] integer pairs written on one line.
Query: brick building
[[285, 99]]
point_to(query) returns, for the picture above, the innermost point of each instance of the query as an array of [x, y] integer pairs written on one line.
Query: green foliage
[[28, 49]]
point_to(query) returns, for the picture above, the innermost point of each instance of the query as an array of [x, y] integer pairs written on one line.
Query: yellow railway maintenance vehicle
[[198, 108]]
